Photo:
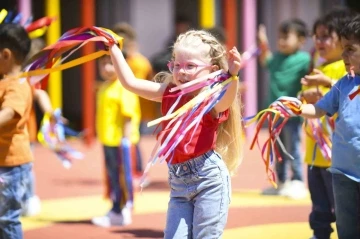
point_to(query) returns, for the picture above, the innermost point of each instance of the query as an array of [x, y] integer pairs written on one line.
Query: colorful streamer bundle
[[52, 57], [35, 29], [285, 107], [52, 136], [186, 118]]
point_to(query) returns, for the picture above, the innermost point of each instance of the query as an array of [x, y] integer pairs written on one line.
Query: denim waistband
[[190, 165]]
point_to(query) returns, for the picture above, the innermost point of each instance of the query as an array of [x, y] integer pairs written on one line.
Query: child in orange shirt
[[15, 105]]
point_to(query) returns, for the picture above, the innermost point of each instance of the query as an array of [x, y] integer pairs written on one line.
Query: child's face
[[106, 68], [351, 54], [189, 65], [289, 43], [327, 44]]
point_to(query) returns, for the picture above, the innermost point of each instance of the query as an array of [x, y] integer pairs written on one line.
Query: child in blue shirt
[[344, 99]]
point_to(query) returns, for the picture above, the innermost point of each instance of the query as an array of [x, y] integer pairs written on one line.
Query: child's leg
[[179, 217], [30, 191], [291, 138], [13, 181], [347, 202], [139, 164], [322, 214], [112, 161], [213, 199], [126, 173]]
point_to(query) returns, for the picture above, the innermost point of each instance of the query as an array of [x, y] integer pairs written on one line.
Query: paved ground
[[70, 198]]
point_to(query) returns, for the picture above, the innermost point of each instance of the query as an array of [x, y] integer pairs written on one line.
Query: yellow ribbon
[[118, 38], [3, 14], [257, 116], [38, 32], [64, 66]]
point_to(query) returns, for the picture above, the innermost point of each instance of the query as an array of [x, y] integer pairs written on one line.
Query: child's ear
[[6, 54], [215, 68]]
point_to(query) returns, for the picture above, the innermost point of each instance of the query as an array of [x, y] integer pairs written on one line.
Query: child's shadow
[[141, 233], [73, 222]]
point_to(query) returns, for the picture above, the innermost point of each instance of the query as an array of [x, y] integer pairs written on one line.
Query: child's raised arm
[[265, 52], [147, 89], [311, 111], [234, 62]]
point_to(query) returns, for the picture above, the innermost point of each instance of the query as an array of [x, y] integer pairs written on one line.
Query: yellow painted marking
[[253, 198], [83, 208]]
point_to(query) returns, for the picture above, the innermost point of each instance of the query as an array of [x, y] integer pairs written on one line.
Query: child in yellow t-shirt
[[141, 67], [117, 111], [327, 45]]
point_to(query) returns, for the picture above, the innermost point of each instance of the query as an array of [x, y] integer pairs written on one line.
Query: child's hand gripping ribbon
[[277, 115], [52, 57]]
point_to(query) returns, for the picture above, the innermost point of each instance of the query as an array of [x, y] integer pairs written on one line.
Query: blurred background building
[[154, 21]]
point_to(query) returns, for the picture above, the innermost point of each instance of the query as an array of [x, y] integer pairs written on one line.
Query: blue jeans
[[322, 198], [290, 137], [347, 206], [13, 186], [199, 199]]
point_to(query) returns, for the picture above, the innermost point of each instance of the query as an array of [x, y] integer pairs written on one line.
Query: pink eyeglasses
[[189, 67]]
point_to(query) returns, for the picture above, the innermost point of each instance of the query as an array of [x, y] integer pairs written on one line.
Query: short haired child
[[344, 99], [116, 112], [287, 66], [198, 177], [142, 69], [15, 154], [327, 44]]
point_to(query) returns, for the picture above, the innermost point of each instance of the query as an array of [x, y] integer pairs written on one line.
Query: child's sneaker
[[31, 207], [66, 163], [281, 190], [109, 220], [297, 190], [126, 214]]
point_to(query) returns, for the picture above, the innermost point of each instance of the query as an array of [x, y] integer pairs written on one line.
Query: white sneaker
[[297, 190], [281, 190], [67, 164], [313, 237], [31, 207], [126, 214], [110, 219]]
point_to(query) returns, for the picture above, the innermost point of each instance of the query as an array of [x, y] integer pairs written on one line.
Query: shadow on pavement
[[141, 233], [79, 181]]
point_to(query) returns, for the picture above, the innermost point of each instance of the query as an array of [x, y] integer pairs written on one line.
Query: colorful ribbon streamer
[[187, 118], [276, 115], [52, 135], [52, 57]]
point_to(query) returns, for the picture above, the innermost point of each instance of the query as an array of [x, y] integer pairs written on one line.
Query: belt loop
[[177, 171]]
